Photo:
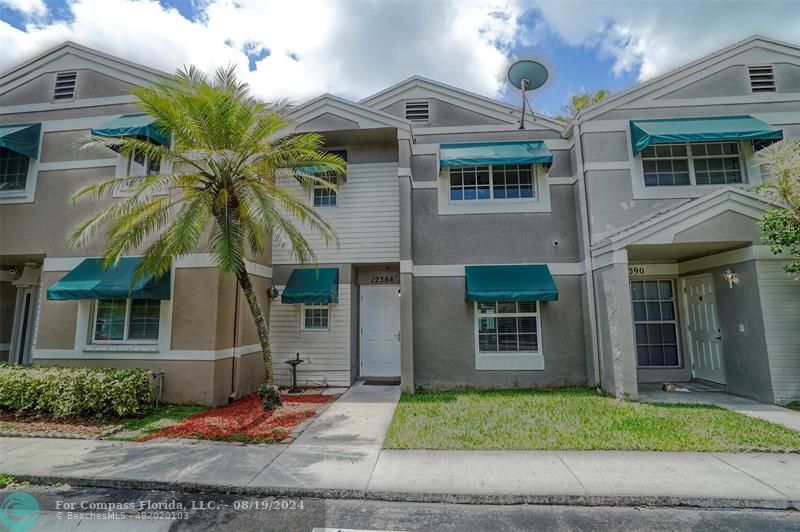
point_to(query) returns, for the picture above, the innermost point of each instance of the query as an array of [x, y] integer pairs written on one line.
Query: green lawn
[[156, 419], [574, 419]]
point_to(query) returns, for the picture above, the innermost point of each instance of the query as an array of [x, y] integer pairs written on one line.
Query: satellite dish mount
[[526, 75]]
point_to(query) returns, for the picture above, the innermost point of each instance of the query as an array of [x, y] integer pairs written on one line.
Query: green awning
[[312, 285], [670, 130], [21, 138], [479, 153], [138, 125], [319, 169], [528, 282], [90, 281]]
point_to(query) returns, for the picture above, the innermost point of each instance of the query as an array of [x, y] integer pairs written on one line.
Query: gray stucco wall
[[605, 147], [732, 81], [89, 84], [787, 77], [444, 339], [494, 238], [444, 114]]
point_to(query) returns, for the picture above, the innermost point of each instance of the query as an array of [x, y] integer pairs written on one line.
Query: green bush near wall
[[74, 392]]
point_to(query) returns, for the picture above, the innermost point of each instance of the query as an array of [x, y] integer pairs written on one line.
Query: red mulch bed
[[245, 421]]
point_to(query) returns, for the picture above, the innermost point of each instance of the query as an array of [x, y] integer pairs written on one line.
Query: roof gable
[[416, 86], [331, 112], [72, 56], [667, 87]]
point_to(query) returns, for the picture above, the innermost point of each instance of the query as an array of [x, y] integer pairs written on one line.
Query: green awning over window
[[711, 128], [510, 283], [138, 125], [90, 281], [312, 285], [320, 170], [479, 153], [21, 138]]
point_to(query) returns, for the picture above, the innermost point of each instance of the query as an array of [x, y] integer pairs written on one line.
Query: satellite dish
[[526, 75]]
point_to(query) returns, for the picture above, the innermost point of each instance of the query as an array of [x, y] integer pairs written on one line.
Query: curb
[[452, 498]]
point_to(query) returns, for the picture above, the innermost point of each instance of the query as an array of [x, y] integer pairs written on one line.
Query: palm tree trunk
[[261, 323]]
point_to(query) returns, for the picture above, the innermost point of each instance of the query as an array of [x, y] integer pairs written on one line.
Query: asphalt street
[[95, 509]]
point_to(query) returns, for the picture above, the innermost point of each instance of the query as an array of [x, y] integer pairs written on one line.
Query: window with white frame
[[139, 164], [695, 163], [492, 182], [655, 323], [126, 320], [324, 196], [315, 316], [507, 326], [13, 170]]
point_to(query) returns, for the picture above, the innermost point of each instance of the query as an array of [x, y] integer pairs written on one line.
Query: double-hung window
[[324, 196], [492, 182], [508, 336], [695, 163], [655, 323], [126, 321], [13, 170], [315, 316]]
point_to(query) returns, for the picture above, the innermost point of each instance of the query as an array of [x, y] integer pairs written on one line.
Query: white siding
[[780, 301], [328, 351], [367, 218]]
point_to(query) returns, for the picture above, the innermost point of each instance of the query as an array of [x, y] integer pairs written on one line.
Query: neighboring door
[[380, 331], [704, 334], [22, 331]]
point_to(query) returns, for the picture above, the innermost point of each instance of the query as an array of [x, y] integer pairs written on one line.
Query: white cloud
[[650, 37], [28, 7], [350, 48]]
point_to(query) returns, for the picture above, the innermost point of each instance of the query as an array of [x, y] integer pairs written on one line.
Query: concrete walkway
[[340, 455], [652, 393]]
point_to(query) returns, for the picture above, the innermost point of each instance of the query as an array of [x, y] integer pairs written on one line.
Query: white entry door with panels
[[380, 331], [704, 333]]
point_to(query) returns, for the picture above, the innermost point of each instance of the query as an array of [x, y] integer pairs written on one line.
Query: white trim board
[[75, 104], [457, 270], [194, 260], [77, 165], [120, 353]]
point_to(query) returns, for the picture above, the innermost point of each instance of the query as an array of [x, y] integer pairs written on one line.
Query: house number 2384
[[382, 279]]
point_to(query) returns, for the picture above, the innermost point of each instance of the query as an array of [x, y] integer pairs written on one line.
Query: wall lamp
[[272, 292], [731, 277]]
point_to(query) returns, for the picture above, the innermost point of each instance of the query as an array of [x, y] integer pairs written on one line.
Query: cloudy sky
[[353, 48]]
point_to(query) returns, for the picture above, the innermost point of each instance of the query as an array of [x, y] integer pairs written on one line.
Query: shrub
[[270, 397], [74, 392]]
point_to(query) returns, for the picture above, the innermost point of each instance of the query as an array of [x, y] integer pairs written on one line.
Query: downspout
[[587, 254], [234, 366]]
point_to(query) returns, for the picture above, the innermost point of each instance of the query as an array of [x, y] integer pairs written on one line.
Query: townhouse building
[[619, 249]]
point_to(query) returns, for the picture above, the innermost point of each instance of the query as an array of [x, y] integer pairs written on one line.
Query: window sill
[[509, 362], [121, 348], [679, 192]]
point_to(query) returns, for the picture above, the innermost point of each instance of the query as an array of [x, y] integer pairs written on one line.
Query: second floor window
[[492, 182], [141, 165], [696, 163], [324, 196], [13, 170]]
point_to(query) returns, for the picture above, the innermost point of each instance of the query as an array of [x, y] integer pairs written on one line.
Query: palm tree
[[781, 227], [579, 101], [220, 181]]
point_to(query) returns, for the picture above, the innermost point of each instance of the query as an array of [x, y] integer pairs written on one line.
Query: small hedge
[[74, 392]]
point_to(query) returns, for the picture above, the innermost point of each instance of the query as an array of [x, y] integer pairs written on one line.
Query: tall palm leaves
[[579, 101], [220, 186]]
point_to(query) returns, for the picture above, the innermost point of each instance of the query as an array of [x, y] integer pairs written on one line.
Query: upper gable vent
[[762, 78], [65, 86], [418, 111]]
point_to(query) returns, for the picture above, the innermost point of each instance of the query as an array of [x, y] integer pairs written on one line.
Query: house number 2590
[[382, 279]]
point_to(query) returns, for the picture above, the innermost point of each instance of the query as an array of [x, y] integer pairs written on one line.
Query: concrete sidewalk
[[340, 455]]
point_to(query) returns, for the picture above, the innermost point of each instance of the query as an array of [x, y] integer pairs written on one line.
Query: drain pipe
[[583, 200], [234, 364]]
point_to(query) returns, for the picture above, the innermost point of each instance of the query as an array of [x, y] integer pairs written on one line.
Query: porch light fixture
[[731, 277], [272, 292], [398, 292]]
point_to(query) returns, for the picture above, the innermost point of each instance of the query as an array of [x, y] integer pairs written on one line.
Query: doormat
[[381, 382]]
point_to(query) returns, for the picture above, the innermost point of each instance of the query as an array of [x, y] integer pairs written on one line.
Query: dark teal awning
[[90, 281], [479, 153], [138, 125], [312, 285], [510, 283], [318, 169], [21, 138], [712, 128]]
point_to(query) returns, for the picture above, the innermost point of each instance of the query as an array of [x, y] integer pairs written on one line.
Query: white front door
[[704, 335], [380, 331]]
